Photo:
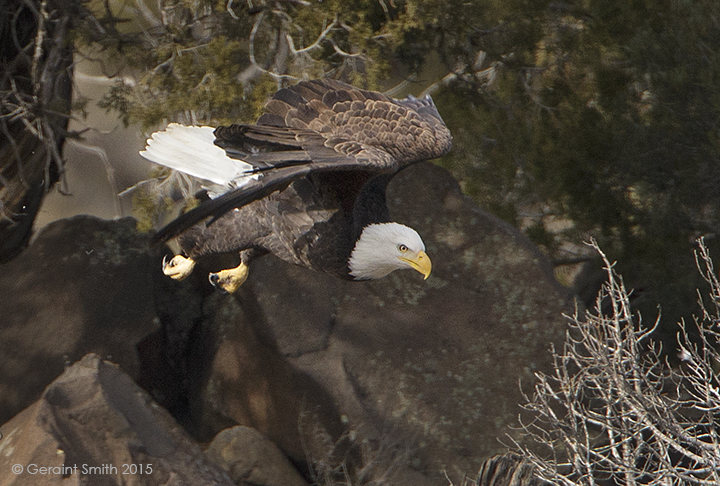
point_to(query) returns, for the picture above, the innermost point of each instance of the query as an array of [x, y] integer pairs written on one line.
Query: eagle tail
[[191, 150]]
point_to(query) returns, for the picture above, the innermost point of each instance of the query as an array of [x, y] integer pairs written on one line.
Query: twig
[[346, 54], [231, 11], [39, 39], [109, 170], [606, 411], [253, 33], [315, 44]]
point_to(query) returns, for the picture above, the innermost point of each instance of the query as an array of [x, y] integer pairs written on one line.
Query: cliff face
[[424, 373], [84, 286]]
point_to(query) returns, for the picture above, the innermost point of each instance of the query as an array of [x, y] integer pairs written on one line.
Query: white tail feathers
[[191, 150]]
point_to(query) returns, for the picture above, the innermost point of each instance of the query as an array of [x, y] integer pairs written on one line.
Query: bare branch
[[613, 411], [109, 170], [315, 44], [231, 11], [253, 60], [39, 38]]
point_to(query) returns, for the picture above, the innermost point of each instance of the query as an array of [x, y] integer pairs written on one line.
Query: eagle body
[[306, 183], [304, 224]]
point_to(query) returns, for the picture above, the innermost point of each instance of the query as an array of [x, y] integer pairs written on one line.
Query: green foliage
[[603, 114], [206, 63], [147, 209], [610, 120], [118, 99], [201, 79]]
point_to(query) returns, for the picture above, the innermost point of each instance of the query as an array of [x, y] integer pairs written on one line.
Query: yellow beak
[[420, 262]]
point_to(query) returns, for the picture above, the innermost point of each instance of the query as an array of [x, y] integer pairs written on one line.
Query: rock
[[247, 455], [313, 313], [84, 285], [238, 378], [437, 360], [93, 425], [88, 285], [398, 379]]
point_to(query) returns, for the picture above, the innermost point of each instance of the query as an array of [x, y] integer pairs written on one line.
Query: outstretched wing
[[327, 122], [322, 126]]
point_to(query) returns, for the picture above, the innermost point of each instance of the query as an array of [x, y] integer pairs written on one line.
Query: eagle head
[[386, 247]]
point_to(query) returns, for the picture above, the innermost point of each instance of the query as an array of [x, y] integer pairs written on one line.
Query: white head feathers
[[386, 247]]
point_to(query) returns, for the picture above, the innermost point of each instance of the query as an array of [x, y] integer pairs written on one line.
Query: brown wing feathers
[[321, 126], [368, 126]]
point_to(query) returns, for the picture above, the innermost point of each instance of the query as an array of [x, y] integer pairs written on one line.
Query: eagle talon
[[178, 267], [229, 280]]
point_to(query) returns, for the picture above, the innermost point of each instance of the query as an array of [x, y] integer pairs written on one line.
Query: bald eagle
[[306, 183]]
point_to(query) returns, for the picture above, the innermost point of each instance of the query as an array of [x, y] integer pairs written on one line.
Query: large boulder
[[87, 285], [236, 376], [433, 364], [93, 425], [84, 285], [400, 379]]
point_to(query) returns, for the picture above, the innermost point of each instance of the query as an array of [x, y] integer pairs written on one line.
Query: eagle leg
[[230, 279], [178, 267]]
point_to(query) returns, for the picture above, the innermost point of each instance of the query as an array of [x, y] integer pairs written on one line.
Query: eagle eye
[[402, 248]]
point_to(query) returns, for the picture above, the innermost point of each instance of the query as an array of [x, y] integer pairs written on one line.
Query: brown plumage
[[321, 157]]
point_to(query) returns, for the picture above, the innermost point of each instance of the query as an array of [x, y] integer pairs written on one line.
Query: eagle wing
[[322, 126]]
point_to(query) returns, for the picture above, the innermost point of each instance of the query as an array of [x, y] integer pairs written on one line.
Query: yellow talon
[[230, 279], [178, 267]]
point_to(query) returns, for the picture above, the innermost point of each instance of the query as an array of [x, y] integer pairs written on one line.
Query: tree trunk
[[36, 58]]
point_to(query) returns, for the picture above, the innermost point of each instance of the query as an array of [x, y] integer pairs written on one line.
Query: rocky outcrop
[[93, 425], [85, 285], [88, 285], [434, 364], [235, 376], [400, 379]]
